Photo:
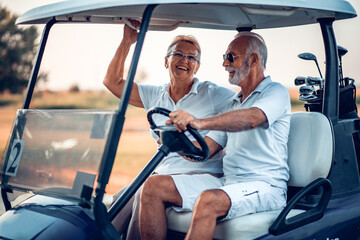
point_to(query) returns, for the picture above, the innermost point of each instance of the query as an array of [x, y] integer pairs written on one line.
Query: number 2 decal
[[15, 157]]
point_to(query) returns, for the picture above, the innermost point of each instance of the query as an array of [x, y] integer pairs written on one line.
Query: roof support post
[[101, 216], [36, 67], [344, 173], [331, 88]]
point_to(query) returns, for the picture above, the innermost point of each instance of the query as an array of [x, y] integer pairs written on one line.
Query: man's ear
[[254, 60]]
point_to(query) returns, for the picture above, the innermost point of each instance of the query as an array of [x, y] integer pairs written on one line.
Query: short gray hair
[[256, 45]]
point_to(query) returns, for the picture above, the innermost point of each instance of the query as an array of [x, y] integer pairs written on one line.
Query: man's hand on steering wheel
[[181, 119], [176, 140]]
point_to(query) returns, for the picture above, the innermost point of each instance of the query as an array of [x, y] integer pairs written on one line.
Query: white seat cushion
[[246, 227]]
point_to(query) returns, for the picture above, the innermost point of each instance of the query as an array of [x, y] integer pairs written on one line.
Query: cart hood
[[169, 14]]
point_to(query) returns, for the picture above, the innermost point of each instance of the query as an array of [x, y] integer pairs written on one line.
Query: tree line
[[17, 51]]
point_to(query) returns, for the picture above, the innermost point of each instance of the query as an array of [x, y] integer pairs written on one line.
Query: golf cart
[[45, 146]]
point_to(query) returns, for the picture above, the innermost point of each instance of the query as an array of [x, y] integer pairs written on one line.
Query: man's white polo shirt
[[259, 154]]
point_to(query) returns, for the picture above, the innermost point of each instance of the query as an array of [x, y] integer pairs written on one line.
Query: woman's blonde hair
[[184, 38]]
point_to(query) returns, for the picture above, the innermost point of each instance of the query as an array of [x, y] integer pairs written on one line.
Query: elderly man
[[255, 130]]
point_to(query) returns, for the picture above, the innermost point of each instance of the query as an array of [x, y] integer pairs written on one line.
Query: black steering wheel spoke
[[178, 141]]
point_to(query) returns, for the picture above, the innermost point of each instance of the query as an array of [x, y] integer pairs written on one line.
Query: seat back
[[310, 147]]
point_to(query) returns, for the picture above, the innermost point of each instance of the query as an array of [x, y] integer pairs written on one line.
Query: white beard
[[240, 74]]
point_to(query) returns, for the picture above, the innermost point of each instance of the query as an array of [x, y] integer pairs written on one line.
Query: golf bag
[[347, 106]]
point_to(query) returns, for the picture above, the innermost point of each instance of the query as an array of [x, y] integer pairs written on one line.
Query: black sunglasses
[[229, 57]]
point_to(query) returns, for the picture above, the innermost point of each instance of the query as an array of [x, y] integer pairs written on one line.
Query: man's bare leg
[[157, 191], [210, 205]]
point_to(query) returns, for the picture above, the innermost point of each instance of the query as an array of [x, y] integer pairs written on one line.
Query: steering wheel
[[178, 141]]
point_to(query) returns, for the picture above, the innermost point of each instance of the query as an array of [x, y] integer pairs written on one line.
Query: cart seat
[[310, 150]]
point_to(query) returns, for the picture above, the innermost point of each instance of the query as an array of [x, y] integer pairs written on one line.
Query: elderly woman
[[184, 91]]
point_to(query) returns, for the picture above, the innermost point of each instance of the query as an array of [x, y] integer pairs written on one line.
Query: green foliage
[[17, 51]]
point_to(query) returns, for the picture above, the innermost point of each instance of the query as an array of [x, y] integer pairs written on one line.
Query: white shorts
[[246, 197]]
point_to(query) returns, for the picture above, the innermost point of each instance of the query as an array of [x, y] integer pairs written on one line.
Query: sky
[[79, 54]]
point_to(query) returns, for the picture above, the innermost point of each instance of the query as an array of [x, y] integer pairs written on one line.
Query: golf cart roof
[[214, 14]]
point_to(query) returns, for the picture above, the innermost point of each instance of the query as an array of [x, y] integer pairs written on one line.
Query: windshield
[[55, 151]]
